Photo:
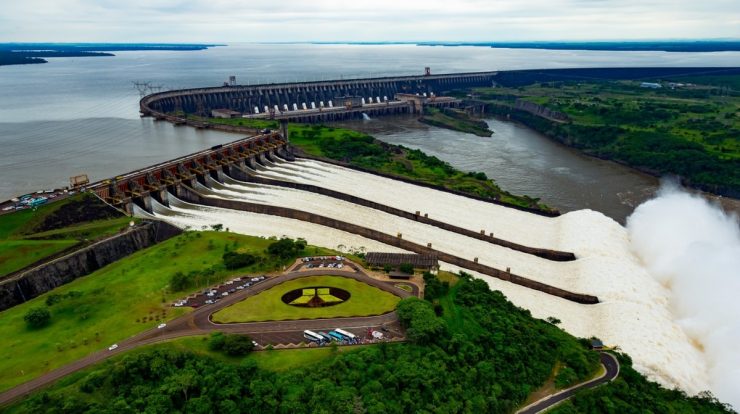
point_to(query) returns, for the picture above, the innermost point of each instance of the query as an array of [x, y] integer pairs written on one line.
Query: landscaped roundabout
[[310, 297]]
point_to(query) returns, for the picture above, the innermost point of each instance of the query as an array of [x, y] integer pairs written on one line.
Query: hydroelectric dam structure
[[192, 178], [313, 101]]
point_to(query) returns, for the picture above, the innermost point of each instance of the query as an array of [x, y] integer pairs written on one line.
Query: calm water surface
[[80, 115]]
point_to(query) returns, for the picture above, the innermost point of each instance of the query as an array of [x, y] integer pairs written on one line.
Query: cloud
[[380, 20]]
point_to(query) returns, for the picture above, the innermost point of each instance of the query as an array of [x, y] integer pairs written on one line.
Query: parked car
[[112, 347]]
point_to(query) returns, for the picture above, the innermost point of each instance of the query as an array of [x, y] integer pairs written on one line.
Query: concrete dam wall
[[41, 279], [192, 196], [245, 99]]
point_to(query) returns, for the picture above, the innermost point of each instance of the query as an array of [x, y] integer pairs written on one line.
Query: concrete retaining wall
[[43, 278], [191, 196], [543, 253]]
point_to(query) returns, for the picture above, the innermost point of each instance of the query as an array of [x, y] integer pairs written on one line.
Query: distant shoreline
[[35, 53], [631, 46]]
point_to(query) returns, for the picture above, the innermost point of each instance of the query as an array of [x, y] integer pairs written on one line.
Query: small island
[[34, 53]]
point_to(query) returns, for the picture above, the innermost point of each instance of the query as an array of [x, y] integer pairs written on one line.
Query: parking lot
[[216, 293], [325, 262]]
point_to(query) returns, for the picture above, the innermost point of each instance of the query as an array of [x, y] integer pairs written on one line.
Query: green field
[[692, 130], [120, 300], [267, 306], [27, 236]]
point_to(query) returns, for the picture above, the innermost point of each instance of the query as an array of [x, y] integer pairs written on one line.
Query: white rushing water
[[634, 309]]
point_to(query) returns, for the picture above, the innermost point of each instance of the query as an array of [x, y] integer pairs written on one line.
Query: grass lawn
[[118, 301], [22, 242], [17, 254], [267, 306]]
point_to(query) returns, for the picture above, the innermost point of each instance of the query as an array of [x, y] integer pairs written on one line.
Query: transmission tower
[[142, 87]]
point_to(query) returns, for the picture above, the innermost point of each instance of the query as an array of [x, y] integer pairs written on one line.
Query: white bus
[[313, 336], [349, 335]]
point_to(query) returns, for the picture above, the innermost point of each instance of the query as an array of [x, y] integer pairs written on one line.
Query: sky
[[364, 20]]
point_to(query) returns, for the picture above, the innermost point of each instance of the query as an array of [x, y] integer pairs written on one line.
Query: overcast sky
[[364, 20]]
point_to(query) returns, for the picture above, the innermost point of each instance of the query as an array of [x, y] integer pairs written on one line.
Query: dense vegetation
[[690, 131], [362, 150], [455, 119], [482, 354], [122, 299], [30, 235], [632, 393]]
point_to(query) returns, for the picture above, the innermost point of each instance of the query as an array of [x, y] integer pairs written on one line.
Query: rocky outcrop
[[540, 110], [43, 278]]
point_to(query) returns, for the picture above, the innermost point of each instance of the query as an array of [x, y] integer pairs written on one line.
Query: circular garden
[[310, 297]]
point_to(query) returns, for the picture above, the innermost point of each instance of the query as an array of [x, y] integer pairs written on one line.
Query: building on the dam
[[316, 101]]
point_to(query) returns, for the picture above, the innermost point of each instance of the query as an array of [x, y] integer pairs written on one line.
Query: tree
[[286, 248], [37, 317], [234, 260], [216, 341], [179, 282], [237, 345], [421, 323], [407, 268]]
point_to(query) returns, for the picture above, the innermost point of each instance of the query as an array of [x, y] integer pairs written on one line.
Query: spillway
[[633, 310]]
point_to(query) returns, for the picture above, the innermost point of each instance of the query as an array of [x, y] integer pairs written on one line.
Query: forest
[[685, 129], [469, 351]]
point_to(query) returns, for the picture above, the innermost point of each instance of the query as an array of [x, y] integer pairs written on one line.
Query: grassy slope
[[113, 301], [690, 131], [365, 300], [21, 244], [456, 120], [364, 151]]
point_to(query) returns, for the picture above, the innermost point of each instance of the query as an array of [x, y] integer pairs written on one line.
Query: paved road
[[199, 322], [611, 366]]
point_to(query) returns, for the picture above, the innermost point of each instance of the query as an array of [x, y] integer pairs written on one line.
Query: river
[[80, 115]]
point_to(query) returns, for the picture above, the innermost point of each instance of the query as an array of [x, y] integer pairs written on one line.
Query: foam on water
[[634, 311]]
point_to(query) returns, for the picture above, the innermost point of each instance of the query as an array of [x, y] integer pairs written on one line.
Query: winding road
[[611, 371], [199, 322]]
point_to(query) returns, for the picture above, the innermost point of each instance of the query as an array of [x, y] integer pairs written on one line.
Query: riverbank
[[456, 120], [683, 129]]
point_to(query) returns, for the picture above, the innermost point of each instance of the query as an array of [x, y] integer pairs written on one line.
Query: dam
[[576, 267], [314, 101]]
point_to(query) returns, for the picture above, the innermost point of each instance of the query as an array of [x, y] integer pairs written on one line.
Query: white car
[[161, 325], [112, 347], [225, 294]]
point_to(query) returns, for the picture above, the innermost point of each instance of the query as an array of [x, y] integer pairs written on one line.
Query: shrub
[[179, 282], [407, 268], [216, 341], [37, 317], [286, 248], [234, 260], [237, 345]]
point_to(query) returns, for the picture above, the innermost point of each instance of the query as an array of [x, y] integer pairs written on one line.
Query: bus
[[349, 335], [313, 336], [336, 336], [326, 337]]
